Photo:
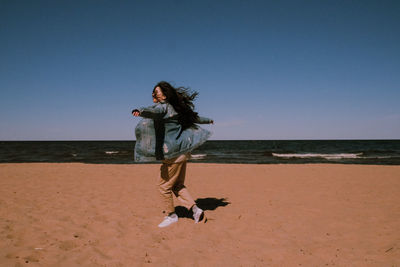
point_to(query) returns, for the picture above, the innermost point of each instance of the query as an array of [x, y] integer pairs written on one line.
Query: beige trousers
[[172, 180]]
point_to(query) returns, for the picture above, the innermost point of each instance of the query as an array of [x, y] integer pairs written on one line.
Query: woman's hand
[[136, 112]]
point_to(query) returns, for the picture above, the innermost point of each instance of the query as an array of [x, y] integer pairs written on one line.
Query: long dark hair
[[181, 98]]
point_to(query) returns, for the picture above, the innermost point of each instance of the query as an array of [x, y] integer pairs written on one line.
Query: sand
[[258, 215]]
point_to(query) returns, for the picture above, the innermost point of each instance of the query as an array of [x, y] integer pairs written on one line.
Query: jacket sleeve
[[204, 120], [153, 112]]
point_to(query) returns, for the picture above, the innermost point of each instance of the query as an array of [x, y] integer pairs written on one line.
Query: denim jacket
[[159, 135]]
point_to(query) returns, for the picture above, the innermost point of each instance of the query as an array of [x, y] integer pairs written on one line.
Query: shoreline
[[209, 163], [70, 214]]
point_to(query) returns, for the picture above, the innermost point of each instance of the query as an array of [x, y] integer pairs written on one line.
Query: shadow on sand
[[209, 203]]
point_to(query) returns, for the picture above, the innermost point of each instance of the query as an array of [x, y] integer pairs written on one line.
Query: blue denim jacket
[[159, 135]]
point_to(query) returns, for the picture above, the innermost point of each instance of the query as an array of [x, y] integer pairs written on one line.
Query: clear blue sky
[[73, 70]]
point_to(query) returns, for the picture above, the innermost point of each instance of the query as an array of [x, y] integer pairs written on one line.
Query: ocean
[[382, 152]]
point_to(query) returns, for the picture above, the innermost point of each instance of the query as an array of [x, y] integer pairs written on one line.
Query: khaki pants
[[172, 180]]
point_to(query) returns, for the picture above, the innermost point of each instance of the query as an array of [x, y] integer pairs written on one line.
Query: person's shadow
[[209, 203]]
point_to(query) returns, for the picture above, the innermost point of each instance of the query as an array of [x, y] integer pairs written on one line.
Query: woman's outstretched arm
[[153, 112], [204, 120]]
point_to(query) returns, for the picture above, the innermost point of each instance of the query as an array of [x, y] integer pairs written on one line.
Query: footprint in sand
[[67, 245], [31, 258]]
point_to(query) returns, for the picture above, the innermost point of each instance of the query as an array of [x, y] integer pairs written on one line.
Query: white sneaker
[[168, 220], [198, 214]]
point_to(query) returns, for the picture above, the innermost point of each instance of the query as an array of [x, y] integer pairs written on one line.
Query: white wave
[[377, 157], [326, 156], [111, 152], [198, 156]]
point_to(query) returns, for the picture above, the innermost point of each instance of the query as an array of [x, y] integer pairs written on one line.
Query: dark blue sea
[[383, 152]]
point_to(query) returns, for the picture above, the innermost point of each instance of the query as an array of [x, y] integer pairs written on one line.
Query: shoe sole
[[201, 218]]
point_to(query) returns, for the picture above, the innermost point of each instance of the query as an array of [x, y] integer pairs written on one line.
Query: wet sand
[[258, 215]]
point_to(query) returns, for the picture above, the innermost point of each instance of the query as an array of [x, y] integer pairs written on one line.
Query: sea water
[[386, 152]]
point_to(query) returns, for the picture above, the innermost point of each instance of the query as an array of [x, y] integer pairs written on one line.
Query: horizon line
[[124, 140]]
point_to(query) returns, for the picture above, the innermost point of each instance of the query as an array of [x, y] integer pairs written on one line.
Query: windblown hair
[[182, 100]]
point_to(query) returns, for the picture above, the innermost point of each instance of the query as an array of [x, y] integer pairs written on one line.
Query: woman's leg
[[172, 180], [180, 190], [184, 196]]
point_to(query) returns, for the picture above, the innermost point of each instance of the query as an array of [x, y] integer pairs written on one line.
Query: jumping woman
[[168, 132]]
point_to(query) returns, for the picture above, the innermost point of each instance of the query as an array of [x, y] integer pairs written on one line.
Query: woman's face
[[158, 95]]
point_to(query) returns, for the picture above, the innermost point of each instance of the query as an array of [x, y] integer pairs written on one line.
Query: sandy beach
[[258, 215]]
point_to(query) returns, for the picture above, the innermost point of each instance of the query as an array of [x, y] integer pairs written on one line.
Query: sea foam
[[198, 156], [316, 155], [111, 152]]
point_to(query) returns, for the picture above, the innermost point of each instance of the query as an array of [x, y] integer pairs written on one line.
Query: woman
[[169, 133]]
